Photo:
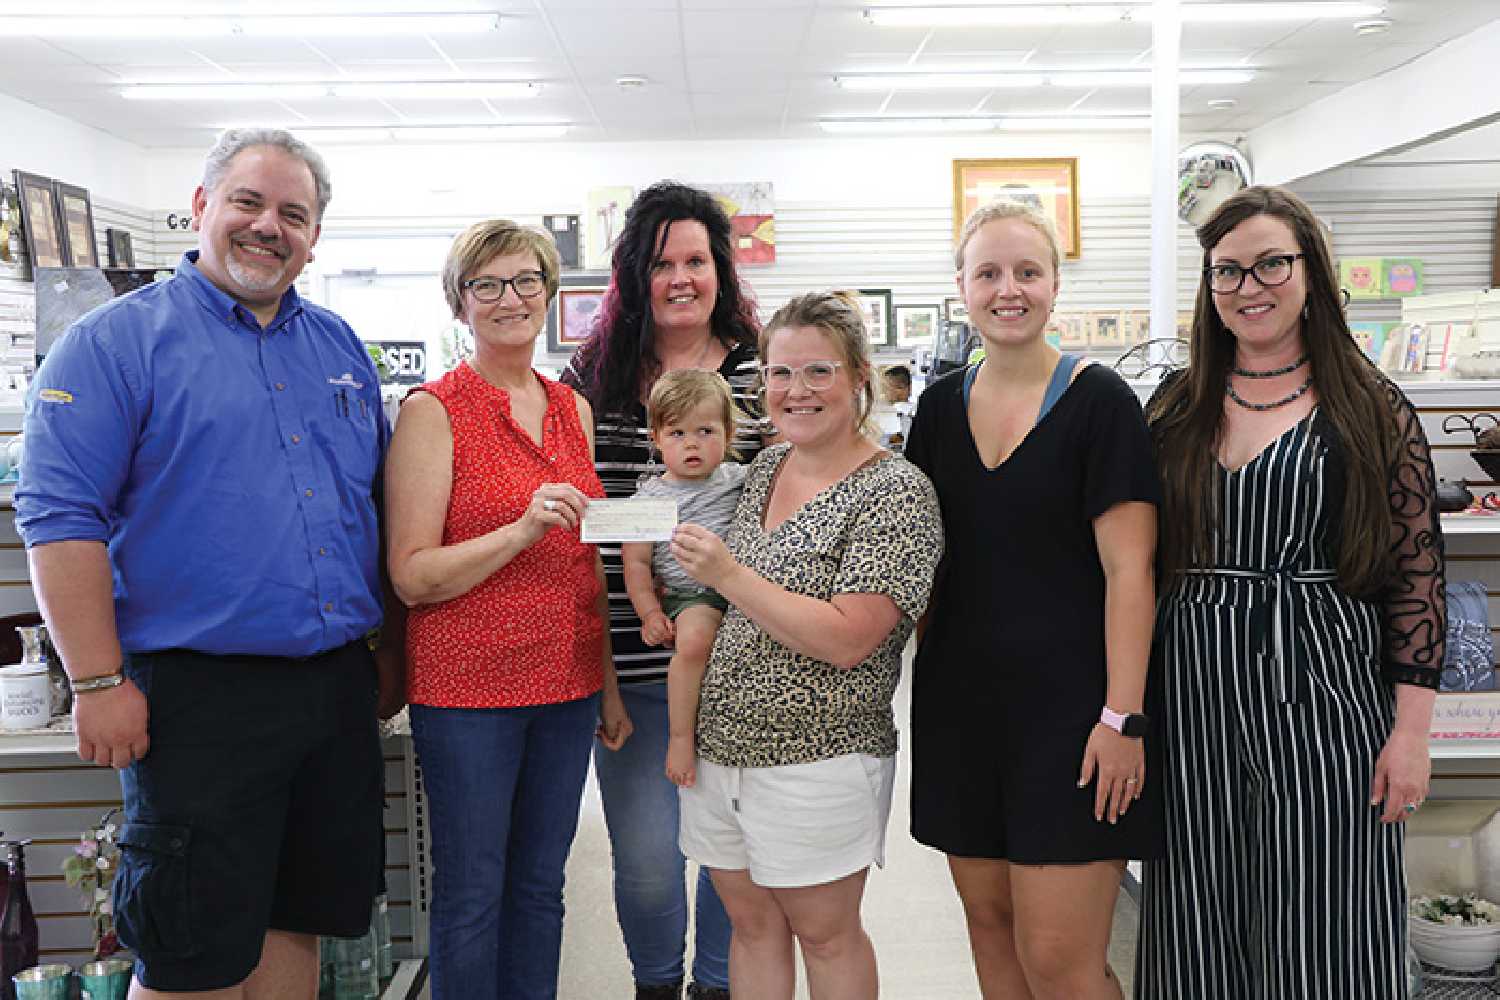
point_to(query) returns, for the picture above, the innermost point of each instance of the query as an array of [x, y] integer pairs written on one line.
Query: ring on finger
[[549, 505], [1130, 781], [1411, 807]]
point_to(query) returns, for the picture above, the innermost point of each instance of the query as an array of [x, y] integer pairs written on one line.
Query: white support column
[[1166, 47]]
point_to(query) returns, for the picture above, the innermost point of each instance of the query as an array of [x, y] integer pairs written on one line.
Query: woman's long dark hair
[[618, 362], [1187, 415]]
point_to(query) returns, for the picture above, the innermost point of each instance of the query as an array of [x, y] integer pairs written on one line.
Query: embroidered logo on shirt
[[347, 379], [55, 396]]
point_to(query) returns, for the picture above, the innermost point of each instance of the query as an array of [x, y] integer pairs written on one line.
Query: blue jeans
[[503, 787], [651, 898]]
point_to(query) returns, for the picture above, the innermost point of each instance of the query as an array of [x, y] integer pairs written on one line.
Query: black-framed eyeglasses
[[1228, 278], [528, 285], [815, 375]]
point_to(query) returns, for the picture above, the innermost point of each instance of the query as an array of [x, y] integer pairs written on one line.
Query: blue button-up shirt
[[229, 468]]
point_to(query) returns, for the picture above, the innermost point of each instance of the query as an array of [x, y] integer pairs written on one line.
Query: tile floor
[[911, 912]]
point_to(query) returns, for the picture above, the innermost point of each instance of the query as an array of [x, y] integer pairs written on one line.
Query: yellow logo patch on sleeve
[[55, 396]]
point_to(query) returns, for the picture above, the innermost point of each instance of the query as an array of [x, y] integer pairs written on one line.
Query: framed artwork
[[917, 325], [1050, 186], [603, 220], [121, 251], [77, 212], [571, 318], [954, 310], [39, 218], [564, 232], [1104, 330], [1072, 330], [1360, 277], [875, 309], [751, 208]]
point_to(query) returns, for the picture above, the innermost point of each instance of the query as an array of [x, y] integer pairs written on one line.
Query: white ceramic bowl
[[1463, 949]]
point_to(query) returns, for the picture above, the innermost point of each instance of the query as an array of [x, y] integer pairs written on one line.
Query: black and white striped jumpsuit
[[1279, 881]]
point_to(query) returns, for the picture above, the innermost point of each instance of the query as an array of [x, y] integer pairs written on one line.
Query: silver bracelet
[[100, 683]]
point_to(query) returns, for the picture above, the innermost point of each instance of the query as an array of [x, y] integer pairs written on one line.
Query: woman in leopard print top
[[827, 565]]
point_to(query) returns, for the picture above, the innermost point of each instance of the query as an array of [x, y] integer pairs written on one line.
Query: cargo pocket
[[151, 893]]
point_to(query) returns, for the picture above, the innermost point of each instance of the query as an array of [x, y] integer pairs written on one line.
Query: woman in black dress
[[1031, 763]]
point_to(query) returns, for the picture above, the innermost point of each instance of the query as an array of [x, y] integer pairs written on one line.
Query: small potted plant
[[1455, 932], [91, 870]]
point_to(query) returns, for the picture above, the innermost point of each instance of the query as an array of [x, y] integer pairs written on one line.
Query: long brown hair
[[1187, 415]]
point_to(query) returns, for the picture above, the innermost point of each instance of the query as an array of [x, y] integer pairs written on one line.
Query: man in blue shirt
[[198, 502]]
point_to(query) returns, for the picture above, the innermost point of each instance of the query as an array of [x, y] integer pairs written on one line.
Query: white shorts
[[789, 826]]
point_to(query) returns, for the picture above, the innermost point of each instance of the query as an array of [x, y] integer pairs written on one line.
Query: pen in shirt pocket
[[341, 403]]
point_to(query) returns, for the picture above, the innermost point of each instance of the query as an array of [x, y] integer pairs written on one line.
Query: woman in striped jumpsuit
[[1300, 634]]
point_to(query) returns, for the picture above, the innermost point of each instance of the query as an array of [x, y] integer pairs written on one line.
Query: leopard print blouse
[[877, 531]]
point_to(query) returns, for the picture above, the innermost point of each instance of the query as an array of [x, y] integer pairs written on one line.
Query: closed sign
[[402, 362]]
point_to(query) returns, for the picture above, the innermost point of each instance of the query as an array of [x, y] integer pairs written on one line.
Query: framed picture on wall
[[77, 212], [875, 309], [917, 325], [570, 318], [1048, 185], [39, 218], [954, 310], [121, 251]]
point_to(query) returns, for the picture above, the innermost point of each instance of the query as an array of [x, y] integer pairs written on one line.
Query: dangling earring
[[1304, 309]]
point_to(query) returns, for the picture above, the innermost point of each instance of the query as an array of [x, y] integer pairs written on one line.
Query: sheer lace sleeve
[[1416, 609]]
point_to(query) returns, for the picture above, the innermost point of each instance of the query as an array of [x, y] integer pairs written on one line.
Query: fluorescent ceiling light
[[1023, 14], [975, 81], [938, 81], [192, 26], [1009, 123], [331, 134], [871, 126], [373, 90]]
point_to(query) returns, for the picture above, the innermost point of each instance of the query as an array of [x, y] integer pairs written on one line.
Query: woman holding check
[[488, 476]]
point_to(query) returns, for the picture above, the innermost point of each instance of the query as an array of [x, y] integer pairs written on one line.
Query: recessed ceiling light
[[1222, 103], [630, 82], [1106, 13], [222, 25], [368, 89], [1374, 26]]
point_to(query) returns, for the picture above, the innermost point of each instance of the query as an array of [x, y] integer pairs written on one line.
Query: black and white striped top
[[622, 455]]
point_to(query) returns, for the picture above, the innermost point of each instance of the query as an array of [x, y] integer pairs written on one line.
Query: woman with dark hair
[[674, 301], [1300, 634]]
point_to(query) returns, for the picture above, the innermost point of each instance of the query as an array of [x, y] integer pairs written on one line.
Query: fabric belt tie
[[1272, 623]]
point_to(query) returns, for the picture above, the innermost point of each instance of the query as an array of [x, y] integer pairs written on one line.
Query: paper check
[[637, 520]]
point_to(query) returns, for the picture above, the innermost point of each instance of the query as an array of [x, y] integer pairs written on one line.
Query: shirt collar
[[221, 303]]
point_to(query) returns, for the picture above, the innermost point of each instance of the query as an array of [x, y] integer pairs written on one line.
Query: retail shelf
[[1463, 523]]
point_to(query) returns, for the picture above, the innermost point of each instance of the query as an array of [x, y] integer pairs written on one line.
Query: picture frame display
[[875, 310], [571, 316], [1048, 185], [76, 210], [917, 325], [39, 219], [121, 249]]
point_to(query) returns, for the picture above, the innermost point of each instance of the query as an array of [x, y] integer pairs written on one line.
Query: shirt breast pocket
[[350, 432], [805, 556]]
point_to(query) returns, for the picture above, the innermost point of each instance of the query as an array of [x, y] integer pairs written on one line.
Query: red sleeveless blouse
[[529, 634]]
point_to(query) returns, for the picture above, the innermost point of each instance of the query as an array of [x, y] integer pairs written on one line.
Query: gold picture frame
[[1049, 185]]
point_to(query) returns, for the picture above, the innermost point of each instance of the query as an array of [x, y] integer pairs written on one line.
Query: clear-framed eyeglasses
[[815, 375], [528, 285], [1227, 278]]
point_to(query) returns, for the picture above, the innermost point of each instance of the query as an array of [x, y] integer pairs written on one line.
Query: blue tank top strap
[[1062, 377]]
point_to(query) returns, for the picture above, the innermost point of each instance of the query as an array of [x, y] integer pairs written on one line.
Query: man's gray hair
[[233, 141]]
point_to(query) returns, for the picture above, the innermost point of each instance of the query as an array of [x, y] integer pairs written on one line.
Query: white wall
[[470, 181], [1468, 161], [41, 142]]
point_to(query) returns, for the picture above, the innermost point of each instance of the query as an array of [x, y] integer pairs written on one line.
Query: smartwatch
[[1133, 725]]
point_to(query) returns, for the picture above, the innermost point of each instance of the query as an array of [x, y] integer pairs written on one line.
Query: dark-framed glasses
[[815, 375], [1227, 278], [528, 285]]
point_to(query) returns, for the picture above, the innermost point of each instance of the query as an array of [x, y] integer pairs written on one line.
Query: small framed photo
[[1048, 185], [121, 250], [875, 309], [39, 218], [77, 212], [954, 310], [570, 319], [917, 325]]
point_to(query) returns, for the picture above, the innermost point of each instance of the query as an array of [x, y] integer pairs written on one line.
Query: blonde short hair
[[683, 390], [1005, 208], [483, 242], [836, 315]]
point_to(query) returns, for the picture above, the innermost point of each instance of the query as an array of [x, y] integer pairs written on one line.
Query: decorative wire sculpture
[[1153, 357]]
